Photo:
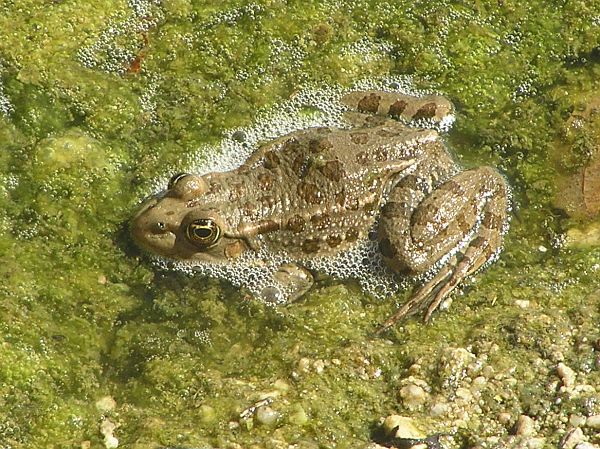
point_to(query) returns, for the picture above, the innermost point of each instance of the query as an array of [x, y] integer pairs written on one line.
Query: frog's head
[[176, 225]]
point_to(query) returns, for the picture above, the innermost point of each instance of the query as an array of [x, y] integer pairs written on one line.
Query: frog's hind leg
[[459, 226], [406, 108]]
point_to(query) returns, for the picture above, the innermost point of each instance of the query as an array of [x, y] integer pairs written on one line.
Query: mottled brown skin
[[317, 191]]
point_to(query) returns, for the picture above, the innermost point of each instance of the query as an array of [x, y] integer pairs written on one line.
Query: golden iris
[[204, 232]]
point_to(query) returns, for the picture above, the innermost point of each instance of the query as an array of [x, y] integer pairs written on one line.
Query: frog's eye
[[204, 232], [175, 179]]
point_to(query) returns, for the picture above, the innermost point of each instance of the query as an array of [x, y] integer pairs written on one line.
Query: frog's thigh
[[464, 218], [468, 210]]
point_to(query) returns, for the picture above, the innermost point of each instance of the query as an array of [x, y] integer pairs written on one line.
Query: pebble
[[577, 420], [566, 374], [107, 427], [572, 438], [412, 395], [106, 404], [439, 409], [406, 427], [207, 414], [522, 303], [504, 418], [267, 416], [525, 426], [593, 421], [303, 365]]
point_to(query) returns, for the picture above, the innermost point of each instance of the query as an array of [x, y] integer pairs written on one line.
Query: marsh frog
[[317, 192]]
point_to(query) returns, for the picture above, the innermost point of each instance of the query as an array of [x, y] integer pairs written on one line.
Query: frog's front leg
[[458, 226], [290, 282]]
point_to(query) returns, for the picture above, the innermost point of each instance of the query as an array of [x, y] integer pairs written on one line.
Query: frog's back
[[330, 182]]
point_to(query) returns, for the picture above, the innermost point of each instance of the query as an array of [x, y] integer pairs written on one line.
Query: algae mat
[[100, 99]]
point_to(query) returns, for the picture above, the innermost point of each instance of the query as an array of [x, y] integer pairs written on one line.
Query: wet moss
[[97, 101]]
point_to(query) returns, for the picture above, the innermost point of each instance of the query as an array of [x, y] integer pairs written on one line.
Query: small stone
[[536, 443], [267, 416], [522, 303], [406, 427], [525, 426], [303, 365], [586, 445], [106, 404], [298, 416], [107, 427], [572, 438], [593, 421], [478, 383], [207, 414], [464, 393], [577, 420], [414, 369], [412, 395], [439, 409], [282, 386], [319, 366], [566, 374], [504, 418]]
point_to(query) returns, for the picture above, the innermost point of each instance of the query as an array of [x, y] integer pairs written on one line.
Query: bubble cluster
[[6, 106], [119, 44], [311, 107]]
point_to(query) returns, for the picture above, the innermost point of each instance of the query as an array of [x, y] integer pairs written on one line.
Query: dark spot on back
[[267, 201], [214, 187], [380, 155], [333, 170], [491, 221], [265, 181], [271, 160], [397, 108], [453, 187], [426, 111], [319, 145], [296, 224], [321, 221], [333, 241], [310, 246], [408, 182], [362, 158], [370, 103], [359, 138], [301, 165], [352, 235], [309, 193]]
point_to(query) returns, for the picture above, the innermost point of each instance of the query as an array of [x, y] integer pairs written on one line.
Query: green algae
[[84, 316]]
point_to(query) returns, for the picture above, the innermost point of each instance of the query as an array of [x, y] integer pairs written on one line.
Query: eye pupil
[[204, 233]]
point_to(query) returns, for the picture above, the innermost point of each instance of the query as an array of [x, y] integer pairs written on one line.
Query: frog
[[386, 177]]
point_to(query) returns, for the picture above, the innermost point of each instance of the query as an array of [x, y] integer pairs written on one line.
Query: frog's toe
[[295, 280]]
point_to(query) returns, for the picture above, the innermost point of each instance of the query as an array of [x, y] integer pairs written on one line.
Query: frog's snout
[[150, 231]]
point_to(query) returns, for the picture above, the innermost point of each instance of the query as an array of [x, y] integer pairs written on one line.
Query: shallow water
[[101, 101]]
